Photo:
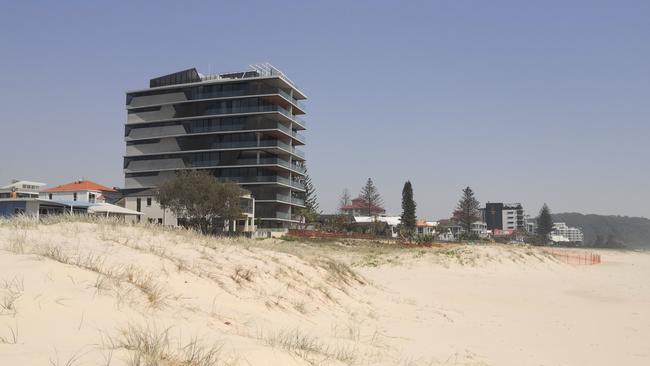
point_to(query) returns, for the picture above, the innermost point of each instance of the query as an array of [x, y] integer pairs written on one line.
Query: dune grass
[[150, 346]]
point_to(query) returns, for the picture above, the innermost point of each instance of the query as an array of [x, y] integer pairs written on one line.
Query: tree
[[544, 224], [408, 224], [467, 211], [371, 198], [200, 200], [311, 201], [344, 200]]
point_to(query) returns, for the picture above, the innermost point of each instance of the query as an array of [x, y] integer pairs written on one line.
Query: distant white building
[[563, 233], [425, 228], [479, 228], [21, 189], [391, 221]]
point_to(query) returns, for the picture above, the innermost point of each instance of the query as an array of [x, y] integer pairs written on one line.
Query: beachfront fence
[[574, 257]]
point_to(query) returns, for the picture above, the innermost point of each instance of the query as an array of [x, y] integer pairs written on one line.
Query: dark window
[[138, 204], [74, 196], [160, 221], [148, 201], [49, 196]]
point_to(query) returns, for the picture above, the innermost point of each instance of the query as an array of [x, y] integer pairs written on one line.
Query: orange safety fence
[[574, 257], [325, 234]]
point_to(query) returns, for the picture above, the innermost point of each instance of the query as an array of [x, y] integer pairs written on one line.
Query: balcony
[[299, 136], [274, 215], [298, 185], [156, 149], [297, 201], [292, 100], [257, 179], [192, 95]]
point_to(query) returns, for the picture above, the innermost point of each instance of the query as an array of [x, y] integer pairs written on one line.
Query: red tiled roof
[[81, 185], [359, 203]]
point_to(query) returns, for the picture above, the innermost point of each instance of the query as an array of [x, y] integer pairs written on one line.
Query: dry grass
[[149, 346], [12, 338], [155, 293], [72, 360], [11, 291], [309, 348]]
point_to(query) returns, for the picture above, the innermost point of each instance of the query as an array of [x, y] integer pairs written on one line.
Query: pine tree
[[544, 224], [344, 200], [311, 201], [467, 211], [408, 211], [371, 198]]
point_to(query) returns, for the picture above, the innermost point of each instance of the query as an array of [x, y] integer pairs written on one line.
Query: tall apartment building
[[242, 127], [504, 216]]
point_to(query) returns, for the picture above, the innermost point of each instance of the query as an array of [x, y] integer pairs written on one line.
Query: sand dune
[[100, 293]]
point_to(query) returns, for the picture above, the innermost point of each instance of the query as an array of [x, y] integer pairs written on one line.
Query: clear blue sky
[[532, 103]]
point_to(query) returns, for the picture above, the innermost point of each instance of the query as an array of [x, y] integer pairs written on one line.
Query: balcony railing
[[274, 215], [299, 136], [195, 95], [298, 152], [257, 179], [296, 184], [298, 201], [293, 100]]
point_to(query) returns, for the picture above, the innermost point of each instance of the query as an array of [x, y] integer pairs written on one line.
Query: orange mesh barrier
[[574, 257]]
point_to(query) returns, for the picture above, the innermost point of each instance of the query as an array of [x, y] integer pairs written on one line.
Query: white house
[[82, 191], [86, 195], [145, 202]]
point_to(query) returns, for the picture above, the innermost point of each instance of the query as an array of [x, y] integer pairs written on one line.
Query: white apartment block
[[571, 234]]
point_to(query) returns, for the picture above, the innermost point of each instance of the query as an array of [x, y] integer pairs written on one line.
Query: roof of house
[[390, 220], [107, 208], [359, 203], [80, 185], [424, 222]]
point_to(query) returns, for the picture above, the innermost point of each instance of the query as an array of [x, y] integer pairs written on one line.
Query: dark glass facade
[[241, 127]]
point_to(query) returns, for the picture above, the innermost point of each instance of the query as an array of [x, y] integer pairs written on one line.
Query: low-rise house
[[145, 202], [82, 191], [391, 221], [425, 228], [449, 230], [21, 189], [79, 197], [359, 207], [480, 229]]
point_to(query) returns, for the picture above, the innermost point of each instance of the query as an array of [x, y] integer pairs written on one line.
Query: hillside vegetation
[[633, 232]]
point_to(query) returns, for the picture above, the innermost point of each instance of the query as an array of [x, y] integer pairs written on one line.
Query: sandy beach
[[99, 293]]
